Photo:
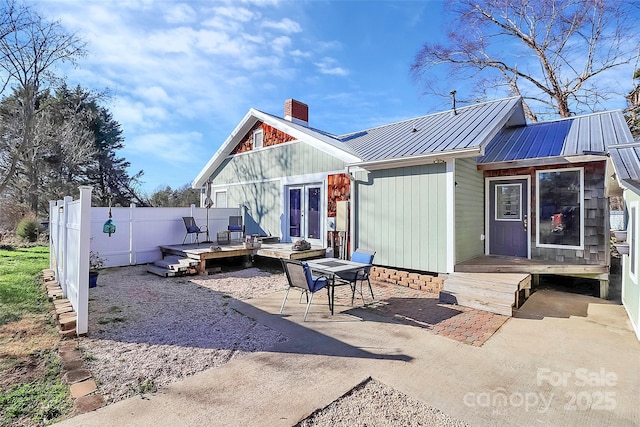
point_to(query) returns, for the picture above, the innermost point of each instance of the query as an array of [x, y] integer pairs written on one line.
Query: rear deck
[[507, 264], [204, 252]]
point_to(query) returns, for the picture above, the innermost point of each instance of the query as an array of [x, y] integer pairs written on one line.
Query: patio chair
[[192, 228], [299, 276], [235, 226], [353, 277]]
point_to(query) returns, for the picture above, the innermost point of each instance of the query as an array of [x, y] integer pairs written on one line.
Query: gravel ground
[[373, 403], [146, 331]]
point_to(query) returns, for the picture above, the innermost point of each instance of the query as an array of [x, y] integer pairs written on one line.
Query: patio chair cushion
[[193, 229]]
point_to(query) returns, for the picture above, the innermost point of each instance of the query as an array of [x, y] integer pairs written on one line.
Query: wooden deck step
[[493, 292]]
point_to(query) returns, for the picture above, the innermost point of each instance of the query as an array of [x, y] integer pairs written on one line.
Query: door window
[[508, 203], [295, 212]]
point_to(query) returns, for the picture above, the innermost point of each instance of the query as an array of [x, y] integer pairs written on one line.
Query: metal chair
[[353, 277], [192, 228], [235, 226], [299, 276]]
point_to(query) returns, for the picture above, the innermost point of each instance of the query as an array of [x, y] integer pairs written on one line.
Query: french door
[[305, 209]]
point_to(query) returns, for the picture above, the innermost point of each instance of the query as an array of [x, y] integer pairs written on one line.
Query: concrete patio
[[565, 360]]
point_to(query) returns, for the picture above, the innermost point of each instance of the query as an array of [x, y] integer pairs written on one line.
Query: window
[[559, 208], [221, 199], [257, 138], [508, 202]]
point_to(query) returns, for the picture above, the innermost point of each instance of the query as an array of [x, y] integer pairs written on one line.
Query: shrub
[[28, 228]]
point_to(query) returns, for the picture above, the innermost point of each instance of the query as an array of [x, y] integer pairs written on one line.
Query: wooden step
[[471, 302], [493, 292]]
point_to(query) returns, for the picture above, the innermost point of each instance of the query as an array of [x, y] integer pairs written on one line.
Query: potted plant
[[95, 262]]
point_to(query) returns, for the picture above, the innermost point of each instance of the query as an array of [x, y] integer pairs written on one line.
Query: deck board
[[505, 264], [204, 252]]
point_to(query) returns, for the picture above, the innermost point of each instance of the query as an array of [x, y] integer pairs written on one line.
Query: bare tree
[[30, 50], [550, 52]]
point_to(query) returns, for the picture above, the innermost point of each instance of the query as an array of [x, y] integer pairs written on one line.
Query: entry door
[[305, 213], [508, 219]]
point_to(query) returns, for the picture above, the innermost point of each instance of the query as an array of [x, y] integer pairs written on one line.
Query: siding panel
[[401, 214], [469, 210], [289, 159]]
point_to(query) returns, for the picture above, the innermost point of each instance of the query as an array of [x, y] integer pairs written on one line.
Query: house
[[440, 193], [626, 159]]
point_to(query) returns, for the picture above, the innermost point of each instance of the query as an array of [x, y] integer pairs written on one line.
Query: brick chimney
[[296, 112]]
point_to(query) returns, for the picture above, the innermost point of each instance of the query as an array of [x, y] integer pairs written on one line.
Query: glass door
[[305, 213]]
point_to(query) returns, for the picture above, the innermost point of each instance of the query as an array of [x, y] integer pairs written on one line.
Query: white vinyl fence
[[141, 231], [69, 225], [75, 229]]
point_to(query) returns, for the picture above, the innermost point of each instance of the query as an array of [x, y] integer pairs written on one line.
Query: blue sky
[[182, 75]]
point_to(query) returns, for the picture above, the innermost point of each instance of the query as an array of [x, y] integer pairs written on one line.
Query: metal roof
[[626, 161], [583, 135], [470, 127]]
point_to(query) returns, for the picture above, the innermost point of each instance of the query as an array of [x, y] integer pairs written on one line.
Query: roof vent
[[415, 129], [453, 102], [296, 112]]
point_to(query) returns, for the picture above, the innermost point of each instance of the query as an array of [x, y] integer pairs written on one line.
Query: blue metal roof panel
[[527, 142], [593, 133]]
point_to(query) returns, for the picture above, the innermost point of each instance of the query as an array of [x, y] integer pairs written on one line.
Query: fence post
[[82, 310], [133, 257], [63, 245], [52, 252]]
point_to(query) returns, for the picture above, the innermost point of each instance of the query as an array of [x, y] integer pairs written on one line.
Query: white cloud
[[285, 25], [297, 53], [279, 44], [176, 147], [180, 14], [329, 66]]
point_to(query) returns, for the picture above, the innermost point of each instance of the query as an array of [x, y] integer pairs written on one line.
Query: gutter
[[436, 157]]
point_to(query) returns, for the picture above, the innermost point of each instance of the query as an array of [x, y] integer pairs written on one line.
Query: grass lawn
[[30, 388]]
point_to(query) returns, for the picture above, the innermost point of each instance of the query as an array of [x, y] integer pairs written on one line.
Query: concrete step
[[176, 263], [162, 272]]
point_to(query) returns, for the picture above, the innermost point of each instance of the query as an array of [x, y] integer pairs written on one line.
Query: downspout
[[352, 209]]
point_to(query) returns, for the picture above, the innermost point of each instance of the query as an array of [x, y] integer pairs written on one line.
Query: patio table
[[330, 267]]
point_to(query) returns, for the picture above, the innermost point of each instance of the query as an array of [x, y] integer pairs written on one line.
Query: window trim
[[495, 208], [579, 247], [215, 198], [254, 138]]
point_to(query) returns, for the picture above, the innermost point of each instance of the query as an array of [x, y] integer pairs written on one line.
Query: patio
[[509, 380], [405, 340]]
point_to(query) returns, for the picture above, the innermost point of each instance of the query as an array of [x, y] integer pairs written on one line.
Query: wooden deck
[[506, 264], [205, 251]]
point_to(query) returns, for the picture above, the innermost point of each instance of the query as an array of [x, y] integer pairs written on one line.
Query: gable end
[[271, 136]]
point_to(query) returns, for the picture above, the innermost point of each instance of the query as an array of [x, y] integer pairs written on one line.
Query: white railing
[[69, 225], [141, 231]]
